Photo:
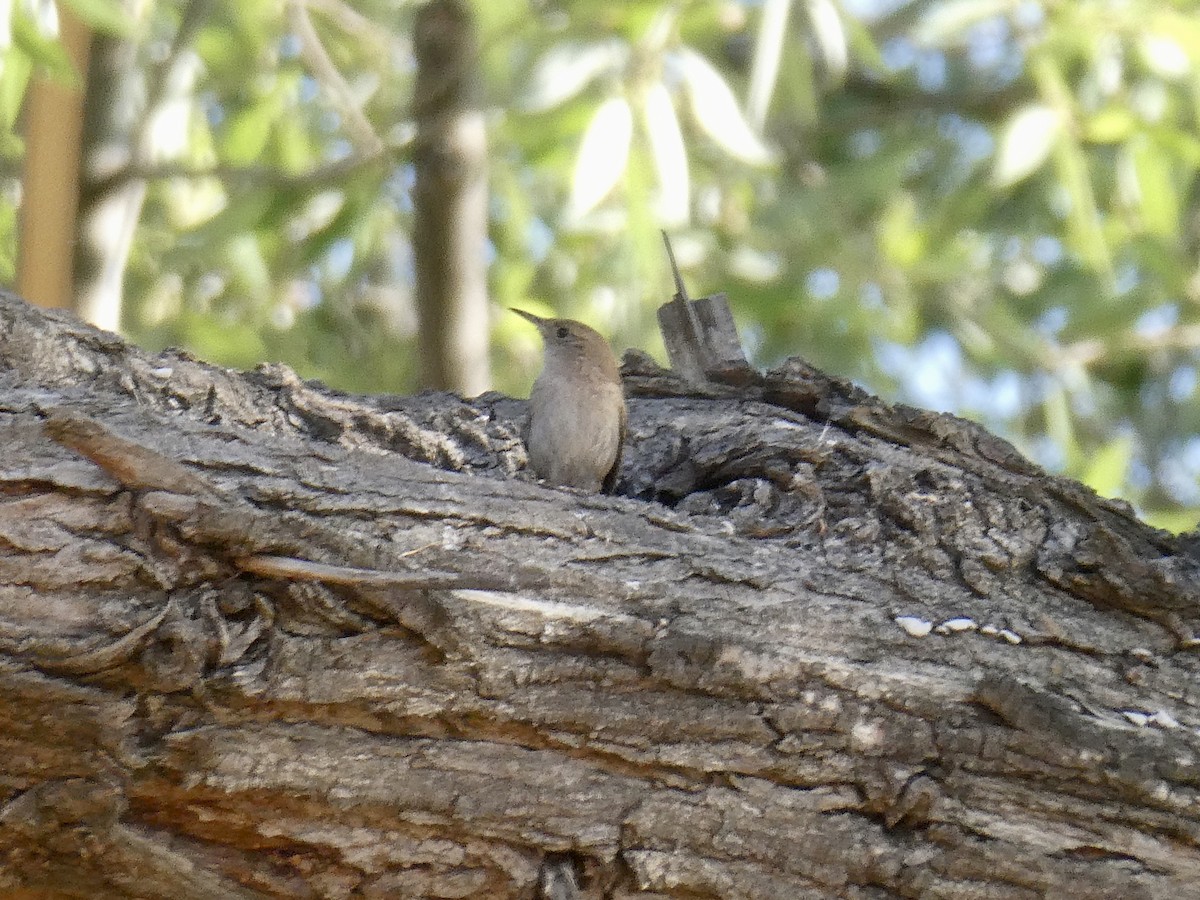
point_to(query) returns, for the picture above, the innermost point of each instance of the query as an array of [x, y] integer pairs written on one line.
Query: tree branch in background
[[360, 132], [318, 178], [353, 23], [450, 201], [977, 102]]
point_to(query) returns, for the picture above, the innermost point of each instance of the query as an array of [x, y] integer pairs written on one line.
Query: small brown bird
[[577, 415]]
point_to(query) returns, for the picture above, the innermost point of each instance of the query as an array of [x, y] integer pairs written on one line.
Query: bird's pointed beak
[[528, 316]]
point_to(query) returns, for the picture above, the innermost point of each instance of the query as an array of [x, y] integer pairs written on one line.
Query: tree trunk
[[133, 118], [114, 113], [50, 171], [449, 229], [262, 639]]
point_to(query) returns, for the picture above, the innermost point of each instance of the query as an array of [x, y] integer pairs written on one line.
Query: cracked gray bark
[[262, 639]]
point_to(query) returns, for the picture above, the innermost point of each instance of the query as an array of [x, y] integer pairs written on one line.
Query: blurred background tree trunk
[[128, 126], [450, 201], [54, 135]]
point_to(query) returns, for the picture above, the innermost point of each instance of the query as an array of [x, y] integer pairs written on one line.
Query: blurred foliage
[[985, 206]]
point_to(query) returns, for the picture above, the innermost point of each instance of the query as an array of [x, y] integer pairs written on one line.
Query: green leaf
[[249, 129], [1158, 195], [1165, 56], [1108, 470], [1029, 136], [244, 257], [1059, 424], [602, 157], [352, 216], [245, 210], [567, 68], [1084, 232], [17, 68], [717, 112], [900, 236], [44, 52], [669, 155], [1111, 125], [829, 34], [1174, 520], [946, 23], [230, 343], [863, 47], [293, 144]]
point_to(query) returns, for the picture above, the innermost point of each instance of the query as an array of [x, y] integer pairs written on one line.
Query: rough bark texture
[[258, 638]]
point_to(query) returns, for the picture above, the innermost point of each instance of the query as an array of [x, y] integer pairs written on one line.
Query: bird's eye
[[562, 331]]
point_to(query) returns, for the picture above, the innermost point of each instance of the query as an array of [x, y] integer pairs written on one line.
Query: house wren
[[576, 409]]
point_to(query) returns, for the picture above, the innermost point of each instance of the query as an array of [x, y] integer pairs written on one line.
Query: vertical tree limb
[[450, 201], [50, 180], [122, 105]]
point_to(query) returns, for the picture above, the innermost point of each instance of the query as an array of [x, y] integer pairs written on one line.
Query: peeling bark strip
[[700, 336], [262, 639]]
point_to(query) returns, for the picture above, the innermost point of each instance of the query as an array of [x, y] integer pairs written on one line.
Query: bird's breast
[[574, 431]]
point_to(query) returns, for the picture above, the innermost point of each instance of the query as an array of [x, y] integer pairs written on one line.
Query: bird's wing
[[610, 480]]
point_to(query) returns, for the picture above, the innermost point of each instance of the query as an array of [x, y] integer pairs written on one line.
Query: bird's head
[[572, 344]]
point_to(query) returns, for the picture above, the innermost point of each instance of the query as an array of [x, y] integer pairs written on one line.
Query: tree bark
[[262, 639]]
